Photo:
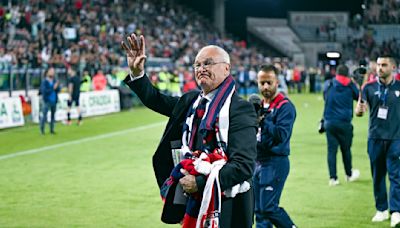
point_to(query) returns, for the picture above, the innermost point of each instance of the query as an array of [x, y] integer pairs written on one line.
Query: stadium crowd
[[26, 40], [88, 34], [173, 33], [361, 44], [382, 12]]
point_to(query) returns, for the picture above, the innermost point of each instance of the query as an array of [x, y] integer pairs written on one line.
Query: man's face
[[51, 73], [71, 72], [384, 67], [210, 69], [267, 83]]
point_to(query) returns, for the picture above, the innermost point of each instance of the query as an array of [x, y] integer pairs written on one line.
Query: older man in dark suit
[[228, 125]]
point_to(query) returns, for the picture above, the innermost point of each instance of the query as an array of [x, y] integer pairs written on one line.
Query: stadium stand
[[87, 36]]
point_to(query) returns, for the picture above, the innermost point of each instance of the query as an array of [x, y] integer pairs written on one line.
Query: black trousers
[[269, 179], [384, 157], [339, 134]]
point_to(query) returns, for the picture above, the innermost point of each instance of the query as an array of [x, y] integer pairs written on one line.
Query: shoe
[[67, 122], [355, 174], [380, 216], [333, 182], [395, 219]]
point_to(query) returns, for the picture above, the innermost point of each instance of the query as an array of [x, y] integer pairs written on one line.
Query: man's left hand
[[188, 182]]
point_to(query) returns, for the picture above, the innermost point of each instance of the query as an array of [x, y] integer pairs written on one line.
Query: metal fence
[[25, 78]]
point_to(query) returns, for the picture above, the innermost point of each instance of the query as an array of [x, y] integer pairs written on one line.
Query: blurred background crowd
[[86, 35]]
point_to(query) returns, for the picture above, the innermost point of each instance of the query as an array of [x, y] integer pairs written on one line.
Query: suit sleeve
[[242, 144], [151, 97]]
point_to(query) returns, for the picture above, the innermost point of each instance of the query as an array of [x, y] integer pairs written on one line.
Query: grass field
[[100, 175]]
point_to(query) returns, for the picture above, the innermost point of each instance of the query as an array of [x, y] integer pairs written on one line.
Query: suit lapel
[[179, 113]]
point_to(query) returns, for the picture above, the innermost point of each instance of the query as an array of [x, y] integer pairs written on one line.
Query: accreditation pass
[[383, 112]]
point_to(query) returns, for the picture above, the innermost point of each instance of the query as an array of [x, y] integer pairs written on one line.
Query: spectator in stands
[[282, 87], [371, 72], [312, 72], [332, 30], [99, 81], [276, 119], [382, 98], [297, 78], [339, 94], [112, 80], [164, 80], [74, 85], [175, 86], [153, 76], [49, 89], [189, 82], [243, 81], [212, 72], [89, 34]]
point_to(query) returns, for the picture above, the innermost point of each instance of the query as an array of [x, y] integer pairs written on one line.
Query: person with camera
[[276, 118], [383, 99], [339, 94], [361, 74]]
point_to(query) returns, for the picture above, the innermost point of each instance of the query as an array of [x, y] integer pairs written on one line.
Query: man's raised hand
[[135, 54]]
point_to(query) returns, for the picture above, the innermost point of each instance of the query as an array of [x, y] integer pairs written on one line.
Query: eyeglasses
[[206, 65]]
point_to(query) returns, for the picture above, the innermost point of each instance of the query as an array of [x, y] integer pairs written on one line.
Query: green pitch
[[99, 174]]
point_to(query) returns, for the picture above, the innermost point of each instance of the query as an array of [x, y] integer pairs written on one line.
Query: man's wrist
[[133, 77], [359, 112]]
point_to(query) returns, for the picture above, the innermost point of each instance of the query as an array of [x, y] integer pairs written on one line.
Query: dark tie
[[200, 110]]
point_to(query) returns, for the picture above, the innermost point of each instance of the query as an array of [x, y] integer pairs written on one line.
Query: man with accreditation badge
[[383, 99]]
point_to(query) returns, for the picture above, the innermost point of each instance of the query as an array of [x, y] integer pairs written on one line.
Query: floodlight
[[333, 55]]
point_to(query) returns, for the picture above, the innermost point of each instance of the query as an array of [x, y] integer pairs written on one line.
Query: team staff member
[[49, 89], [339, 94], [273, 149], [383, 99], [74, 84], [212, 73]]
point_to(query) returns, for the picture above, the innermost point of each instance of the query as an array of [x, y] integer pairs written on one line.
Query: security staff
[[339, 94], [383, 99], [86, 82], [277, 117]]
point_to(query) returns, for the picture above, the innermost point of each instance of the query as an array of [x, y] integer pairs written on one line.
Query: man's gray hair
[[221, 51]]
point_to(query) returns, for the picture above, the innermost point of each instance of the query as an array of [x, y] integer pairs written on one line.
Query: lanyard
[[383, 93]]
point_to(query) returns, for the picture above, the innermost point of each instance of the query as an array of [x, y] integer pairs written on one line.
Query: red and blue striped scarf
[[209, 131], [209, 124]]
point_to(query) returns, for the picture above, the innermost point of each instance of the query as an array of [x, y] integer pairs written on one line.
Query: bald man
[[213, 119]]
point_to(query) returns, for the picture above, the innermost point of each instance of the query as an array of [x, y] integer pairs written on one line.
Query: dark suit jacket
[[241, 151]]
